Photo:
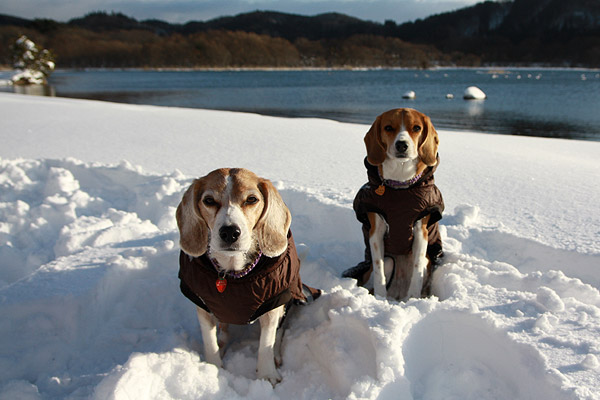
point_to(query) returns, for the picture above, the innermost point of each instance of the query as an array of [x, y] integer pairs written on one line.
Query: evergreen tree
[[34, 65]]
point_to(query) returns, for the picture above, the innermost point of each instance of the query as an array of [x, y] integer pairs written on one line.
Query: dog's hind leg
[[277, 346], [223, 337]]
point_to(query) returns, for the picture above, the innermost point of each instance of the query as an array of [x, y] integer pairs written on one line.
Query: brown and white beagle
[[238, 261], [400, 206]]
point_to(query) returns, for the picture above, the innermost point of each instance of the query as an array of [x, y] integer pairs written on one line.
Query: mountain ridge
[[550, 32]]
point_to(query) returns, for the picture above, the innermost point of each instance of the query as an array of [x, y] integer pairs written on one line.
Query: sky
[[181, 11]]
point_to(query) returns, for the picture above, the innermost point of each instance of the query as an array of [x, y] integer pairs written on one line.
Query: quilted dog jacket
[[401, 208], [272, 283]]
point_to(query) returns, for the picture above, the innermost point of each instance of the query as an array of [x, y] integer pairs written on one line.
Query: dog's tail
[[302, 251]]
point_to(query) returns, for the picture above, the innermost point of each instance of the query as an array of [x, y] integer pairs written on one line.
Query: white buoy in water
[[474, 93], [409, 95], [449, 96]]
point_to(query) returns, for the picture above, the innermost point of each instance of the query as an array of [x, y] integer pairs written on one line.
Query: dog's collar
[[400, 184], [236, 274]]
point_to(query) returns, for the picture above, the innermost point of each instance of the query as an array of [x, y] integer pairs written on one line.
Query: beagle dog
[[238, 261], [400, 206]]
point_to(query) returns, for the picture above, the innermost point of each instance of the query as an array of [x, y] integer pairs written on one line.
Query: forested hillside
[[548, 32], [555, 32], [116, 41]]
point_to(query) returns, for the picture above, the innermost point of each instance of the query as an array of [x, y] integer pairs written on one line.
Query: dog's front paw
[[269, 373], [380, 291], [214, 359], [379, 280]]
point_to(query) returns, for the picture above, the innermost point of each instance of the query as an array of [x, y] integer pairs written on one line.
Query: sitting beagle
[[238, 261], [400, 206]]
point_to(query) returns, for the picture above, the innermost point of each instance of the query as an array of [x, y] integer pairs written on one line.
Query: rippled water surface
[[535, 102]]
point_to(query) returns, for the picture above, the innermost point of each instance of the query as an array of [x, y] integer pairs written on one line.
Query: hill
[[525, 31], [275, 24], [550, 32], [260, 39], [293, 27]]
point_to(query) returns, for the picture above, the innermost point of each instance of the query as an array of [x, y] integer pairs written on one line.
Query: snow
[[89, 299], [30, 76], [474, 93]]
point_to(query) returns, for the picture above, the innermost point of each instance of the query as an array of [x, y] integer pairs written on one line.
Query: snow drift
[[89, 298]]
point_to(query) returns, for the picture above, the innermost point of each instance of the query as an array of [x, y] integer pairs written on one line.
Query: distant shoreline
[[277, 69], [497, 68]]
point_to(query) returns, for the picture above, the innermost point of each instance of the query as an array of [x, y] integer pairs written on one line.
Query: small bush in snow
[[33, 65]]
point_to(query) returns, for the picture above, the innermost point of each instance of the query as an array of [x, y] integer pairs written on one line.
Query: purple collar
[[400, 184], [236, 274]]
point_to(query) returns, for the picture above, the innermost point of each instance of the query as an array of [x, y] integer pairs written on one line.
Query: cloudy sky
[[180, 11]]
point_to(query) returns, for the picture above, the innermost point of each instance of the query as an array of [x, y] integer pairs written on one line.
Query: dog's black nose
[[401, 146], [229, 234]]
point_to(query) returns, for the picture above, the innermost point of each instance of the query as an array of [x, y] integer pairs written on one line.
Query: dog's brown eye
[[389, 128], [251, 200], [209, 201], [416, 129]]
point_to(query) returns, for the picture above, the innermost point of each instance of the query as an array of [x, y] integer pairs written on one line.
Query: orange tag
[[221, 284], [380, 190]]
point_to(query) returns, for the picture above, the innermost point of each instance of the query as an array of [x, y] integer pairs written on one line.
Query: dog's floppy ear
[[274, 223], [428, 148], [193, 230], [376, 149]]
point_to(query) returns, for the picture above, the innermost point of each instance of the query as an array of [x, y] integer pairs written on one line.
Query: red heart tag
[[221, 284]]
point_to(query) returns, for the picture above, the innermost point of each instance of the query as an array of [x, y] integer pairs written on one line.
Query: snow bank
[[89, 299]]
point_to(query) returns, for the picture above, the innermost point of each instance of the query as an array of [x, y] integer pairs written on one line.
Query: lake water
[[561, 103]]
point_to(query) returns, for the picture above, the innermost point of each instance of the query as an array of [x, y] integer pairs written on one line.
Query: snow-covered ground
[[89, 298]]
